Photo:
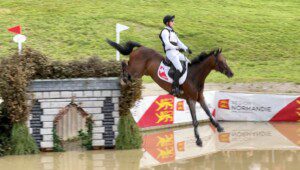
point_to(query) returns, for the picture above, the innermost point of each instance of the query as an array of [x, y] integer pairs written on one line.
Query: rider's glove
[[181, 50]]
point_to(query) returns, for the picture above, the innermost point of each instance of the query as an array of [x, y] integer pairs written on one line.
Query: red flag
[[16, 29]]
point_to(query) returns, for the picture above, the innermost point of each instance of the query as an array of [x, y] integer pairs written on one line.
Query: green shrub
[[57, 142], [87, 137], [5, 147], [5, 131], [129, 135], [21, 141]]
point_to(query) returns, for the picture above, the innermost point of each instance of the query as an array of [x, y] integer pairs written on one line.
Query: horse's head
[[125, 76], [221, 64]]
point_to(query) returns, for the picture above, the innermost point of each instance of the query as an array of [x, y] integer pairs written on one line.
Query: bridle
[[217, 66], [216, 60]]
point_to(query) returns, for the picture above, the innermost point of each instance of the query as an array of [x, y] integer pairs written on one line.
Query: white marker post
[[19, 38], [119, 28]]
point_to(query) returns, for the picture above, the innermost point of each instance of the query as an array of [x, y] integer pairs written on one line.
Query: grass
[[21, 141], [260, 39]]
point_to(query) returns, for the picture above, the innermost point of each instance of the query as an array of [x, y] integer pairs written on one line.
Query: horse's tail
[[126, 49]]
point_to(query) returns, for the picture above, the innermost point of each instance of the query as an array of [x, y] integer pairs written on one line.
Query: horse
[[146, 61]]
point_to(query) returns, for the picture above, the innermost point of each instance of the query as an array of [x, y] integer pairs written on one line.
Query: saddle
[[166, 71]]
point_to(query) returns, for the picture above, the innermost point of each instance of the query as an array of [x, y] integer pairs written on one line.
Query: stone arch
[[69, 121]]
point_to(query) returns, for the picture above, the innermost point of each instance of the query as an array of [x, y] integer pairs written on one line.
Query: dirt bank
[[261, 87]]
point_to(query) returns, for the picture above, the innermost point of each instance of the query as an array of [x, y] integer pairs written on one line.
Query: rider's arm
[[165, 37], [181, 45]]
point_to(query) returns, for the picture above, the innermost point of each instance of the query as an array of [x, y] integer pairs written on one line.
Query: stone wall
[[99, 97]]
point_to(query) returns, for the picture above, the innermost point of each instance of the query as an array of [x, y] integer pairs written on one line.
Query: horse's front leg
[[211, 118], [192, 106], [125, 75]]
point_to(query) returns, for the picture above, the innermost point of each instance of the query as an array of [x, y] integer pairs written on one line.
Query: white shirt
[[170, 36]]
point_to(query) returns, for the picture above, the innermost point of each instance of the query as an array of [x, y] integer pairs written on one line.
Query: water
[[239, 160], [244, 145]]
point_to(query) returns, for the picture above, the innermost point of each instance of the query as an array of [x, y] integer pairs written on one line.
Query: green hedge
[[5, 131], [16, 72]]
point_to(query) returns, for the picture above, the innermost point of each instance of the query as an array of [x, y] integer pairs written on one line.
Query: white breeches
[[175, 56]]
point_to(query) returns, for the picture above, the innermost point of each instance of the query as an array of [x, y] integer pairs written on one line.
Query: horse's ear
[[220, 50], [216, 52]]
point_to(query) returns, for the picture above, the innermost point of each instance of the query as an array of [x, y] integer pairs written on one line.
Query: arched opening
[[67, 124]]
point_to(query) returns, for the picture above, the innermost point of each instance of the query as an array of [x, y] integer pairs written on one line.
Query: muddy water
[[239, 160], [243, 146], [74, 160]]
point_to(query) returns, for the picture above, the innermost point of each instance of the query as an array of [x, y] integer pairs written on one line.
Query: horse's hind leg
[[192, 106], [211, 118]]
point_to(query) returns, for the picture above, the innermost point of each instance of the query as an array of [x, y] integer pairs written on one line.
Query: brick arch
[[65, 110]]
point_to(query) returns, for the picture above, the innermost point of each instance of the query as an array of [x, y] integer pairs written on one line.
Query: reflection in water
[[239, 160], [74, 160], [164, 147], [244, 145]]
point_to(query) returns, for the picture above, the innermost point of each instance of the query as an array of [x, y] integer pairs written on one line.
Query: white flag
[[120, 27]]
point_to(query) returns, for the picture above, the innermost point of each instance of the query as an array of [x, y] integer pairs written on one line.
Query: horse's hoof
[[122, 82], [220, 129], [199, 142]]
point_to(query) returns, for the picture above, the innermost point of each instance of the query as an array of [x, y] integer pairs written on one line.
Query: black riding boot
[[175, 84]]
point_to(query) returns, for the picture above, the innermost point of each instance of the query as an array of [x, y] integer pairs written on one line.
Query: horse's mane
[[202, 56]]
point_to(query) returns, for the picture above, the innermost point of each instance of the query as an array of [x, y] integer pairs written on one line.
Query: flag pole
[[119, 28], [118, 41], [20, 47]]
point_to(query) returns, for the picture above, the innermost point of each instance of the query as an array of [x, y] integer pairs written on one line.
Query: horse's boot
[[175, 84]]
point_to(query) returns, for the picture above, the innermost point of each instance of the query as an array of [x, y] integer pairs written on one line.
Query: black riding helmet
[[168, 18]]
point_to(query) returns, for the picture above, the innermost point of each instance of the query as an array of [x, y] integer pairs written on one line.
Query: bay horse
[[145, 61]]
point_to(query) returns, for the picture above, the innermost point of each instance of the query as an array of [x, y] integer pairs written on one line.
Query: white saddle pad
[[163, 71]]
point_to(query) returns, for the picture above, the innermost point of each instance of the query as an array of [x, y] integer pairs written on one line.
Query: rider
[[172, 45]]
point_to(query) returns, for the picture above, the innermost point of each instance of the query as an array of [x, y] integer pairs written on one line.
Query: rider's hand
[[189, 51]]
